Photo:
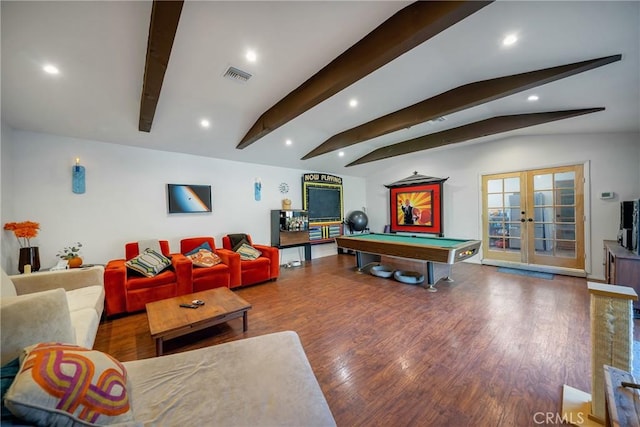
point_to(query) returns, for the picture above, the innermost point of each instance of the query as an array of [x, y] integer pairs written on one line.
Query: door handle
[[522, 220], [530, 219]]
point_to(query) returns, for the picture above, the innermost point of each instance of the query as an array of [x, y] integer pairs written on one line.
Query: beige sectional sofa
[[260, 381], [64, 306]]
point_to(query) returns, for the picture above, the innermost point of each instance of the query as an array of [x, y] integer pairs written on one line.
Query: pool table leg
[[430, 274], [366, 260], [448, 278], [430, 278]]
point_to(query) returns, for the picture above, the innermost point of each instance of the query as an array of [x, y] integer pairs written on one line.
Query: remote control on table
[[189, 305]]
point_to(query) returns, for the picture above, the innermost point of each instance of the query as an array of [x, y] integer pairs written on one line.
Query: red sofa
[[225, 274], [127, 292], [263, 269]]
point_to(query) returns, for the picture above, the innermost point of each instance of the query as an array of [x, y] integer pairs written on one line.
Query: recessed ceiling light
[[341, 154], [205, 123], [51, 69], [353, 103], [533, 98], [509, 40], [251, 56], [288, 142]]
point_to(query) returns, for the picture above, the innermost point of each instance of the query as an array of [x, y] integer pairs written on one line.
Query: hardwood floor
[[491, 349]]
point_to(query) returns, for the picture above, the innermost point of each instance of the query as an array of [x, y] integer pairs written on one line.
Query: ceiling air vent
[[236, 74]]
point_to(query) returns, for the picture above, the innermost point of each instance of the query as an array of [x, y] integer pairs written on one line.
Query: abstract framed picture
[[416, 208]]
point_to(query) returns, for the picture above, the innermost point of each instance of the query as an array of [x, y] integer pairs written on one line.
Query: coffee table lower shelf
[[167, 320]]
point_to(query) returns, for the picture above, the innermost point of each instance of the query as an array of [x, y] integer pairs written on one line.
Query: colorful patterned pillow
[[237, 240], [248, 252], [204, 258], [149, 263], [64, 384], [205, 245]]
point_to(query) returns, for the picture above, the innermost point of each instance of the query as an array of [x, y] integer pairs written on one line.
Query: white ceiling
[[100, 48]]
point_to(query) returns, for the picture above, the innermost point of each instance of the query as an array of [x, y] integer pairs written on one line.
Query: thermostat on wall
[[607, 195]]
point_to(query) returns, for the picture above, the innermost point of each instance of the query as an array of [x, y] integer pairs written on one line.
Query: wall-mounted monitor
[[183, 198]]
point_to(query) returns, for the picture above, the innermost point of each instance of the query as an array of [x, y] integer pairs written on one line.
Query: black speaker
[[626, 215], [626, 241], [635, 228]]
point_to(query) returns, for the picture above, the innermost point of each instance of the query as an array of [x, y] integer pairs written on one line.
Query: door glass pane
[[543, 231], [565, 197], [512, 200], [494, 200], [496, 229], [565, 214], [543, 214], [566, 232], [543, 198], [512, 185], [497, 233], [494, 186], [543, 246], [543, 182], [565, 180], [513, 245], [565, 249]]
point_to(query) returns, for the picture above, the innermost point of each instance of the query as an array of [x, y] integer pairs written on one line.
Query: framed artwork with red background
[[416, 205]]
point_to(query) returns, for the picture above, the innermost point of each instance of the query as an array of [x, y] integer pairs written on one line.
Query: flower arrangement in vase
[[72, 255], [29, 255]]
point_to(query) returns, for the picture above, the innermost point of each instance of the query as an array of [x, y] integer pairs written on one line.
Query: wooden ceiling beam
[[405, 30], [162, 31], [470, 131], [454, 100]]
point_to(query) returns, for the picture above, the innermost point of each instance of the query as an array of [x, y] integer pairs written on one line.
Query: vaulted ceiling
[[424, 75]]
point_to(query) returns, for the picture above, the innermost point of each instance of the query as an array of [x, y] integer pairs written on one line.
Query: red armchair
[[225, 274], [127, 292], [262, 269]]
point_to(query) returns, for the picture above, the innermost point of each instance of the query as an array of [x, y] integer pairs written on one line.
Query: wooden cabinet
[[622, 267], [290, 228]]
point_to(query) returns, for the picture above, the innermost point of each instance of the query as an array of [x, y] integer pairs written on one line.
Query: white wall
[[613, 160], [125, 197], [6, 211], [126, 200]]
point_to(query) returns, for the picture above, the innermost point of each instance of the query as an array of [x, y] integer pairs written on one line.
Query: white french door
[[535, 217]]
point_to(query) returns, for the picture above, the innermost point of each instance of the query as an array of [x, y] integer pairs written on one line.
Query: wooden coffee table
[[168, 320]]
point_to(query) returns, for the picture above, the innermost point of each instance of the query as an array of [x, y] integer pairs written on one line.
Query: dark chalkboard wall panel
[[324, 203]]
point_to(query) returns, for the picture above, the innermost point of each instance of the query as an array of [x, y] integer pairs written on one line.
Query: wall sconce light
[[77, 182], [257, 189]]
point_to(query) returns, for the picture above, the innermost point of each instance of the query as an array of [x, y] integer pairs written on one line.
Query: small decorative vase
[[75, 262], [29, 256]]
